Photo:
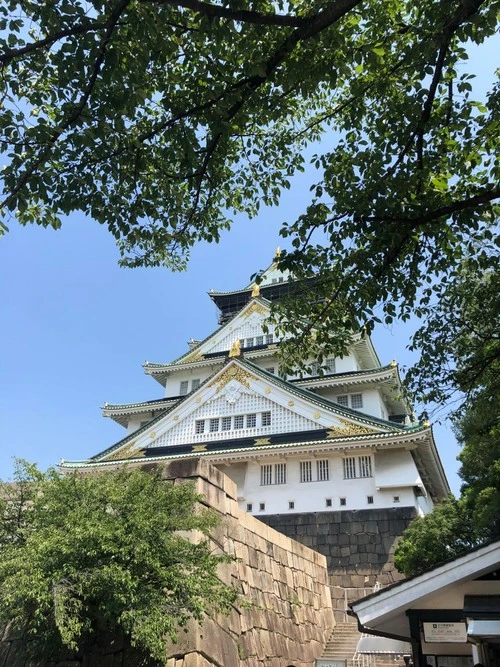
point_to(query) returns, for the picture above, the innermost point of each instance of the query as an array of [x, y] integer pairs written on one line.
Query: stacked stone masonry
[[287, 617], [358, 546]]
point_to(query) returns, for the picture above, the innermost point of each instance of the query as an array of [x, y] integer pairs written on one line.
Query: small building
[[450, 613]]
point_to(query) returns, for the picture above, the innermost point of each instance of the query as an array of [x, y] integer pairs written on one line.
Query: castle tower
[[335, 459]]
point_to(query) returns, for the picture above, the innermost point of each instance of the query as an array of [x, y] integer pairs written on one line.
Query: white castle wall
[[312, 496]]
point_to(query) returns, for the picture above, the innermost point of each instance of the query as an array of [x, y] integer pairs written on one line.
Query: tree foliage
[[471, 364], [443, 534], [82, 553], [163, 118]]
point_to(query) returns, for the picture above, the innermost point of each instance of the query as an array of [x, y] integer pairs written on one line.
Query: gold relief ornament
[[259, 442], [316, 415], [125, 453], [291, 403], [255, 308], [267, 390], [233, 373], [196, 356], [235, 350], [348, 428], [199, 448]]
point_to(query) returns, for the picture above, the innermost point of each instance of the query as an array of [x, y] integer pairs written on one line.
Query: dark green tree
[[465, 349], [162, 118], [83, 552], [444, 533]]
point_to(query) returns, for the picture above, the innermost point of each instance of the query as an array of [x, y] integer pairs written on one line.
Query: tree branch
[[242, 15], [11, 54]]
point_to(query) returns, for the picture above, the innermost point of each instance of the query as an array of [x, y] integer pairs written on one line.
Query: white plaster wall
[[396, 468], [347, 363], [425, 504], [311, 496]]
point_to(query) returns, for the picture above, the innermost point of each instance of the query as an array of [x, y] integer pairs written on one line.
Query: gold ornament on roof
[[199, 448], [235, 350], [126, 453], [277, 253], [255, 308], [256, 290], [348, 428], [259, 442], [233, 373]]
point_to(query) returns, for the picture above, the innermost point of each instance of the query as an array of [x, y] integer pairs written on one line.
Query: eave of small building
[[379, 610], [121, 413]]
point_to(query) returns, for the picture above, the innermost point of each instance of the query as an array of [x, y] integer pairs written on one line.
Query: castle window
[[369, 500], [328, 502], [199, 426], [269, 339], [266, 419], [291, 504], [242, 343], [184, 388], [330, 365], [251, 420], [280, 473], [323, 471], [226, 423], [259, 340], [343, 502], [270, 369], [395, 499], [349, 467], [214, 425], [195, 384], [249, 342], [262, 506], [249, 507], [356, 401], [266, 475], [343, 400], [238, 421], [306, 471], [365, 466]]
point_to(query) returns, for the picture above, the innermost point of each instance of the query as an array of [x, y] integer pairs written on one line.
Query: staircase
[[342, 646], [343, 641]]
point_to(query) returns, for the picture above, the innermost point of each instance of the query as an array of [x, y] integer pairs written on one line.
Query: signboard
[[454, 633], [331, 663]]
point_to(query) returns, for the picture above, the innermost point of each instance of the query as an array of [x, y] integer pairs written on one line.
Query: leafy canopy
[[82, 553], [161, 119], [473, 367]]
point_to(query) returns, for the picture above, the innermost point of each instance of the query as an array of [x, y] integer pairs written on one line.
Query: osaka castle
[[341, 439]]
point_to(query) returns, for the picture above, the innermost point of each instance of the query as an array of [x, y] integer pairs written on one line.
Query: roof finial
[[277, 254], [235, 350], [256, 290]]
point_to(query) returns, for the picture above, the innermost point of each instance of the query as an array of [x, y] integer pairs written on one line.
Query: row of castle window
[[257, 340], [354, 400], [328, 503], [231, 423], [354, 467], [184, 387]]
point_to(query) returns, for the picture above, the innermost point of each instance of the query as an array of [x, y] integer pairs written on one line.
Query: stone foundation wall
[[358, 546], [286, 618]]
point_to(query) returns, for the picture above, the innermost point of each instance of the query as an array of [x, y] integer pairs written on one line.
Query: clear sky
[[75, 328]]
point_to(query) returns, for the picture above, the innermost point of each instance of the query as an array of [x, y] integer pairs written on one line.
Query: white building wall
[[312, 496], [173, 385]]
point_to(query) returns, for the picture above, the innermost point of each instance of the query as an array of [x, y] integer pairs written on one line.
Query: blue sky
[[76, 328]]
